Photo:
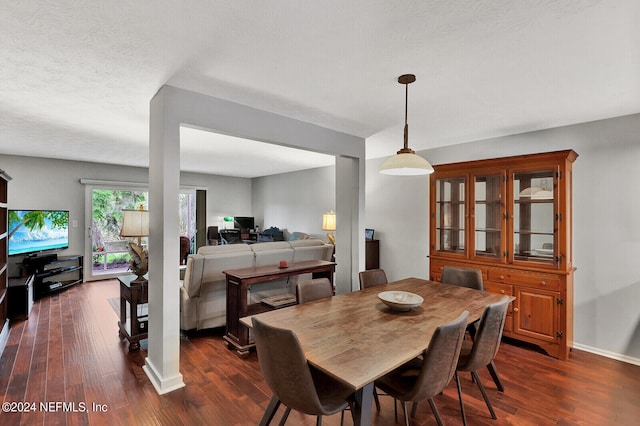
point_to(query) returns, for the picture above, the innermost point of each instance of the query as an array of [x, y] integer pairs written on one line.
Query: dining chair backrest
[[462, 277], [488, 336], [439, 359], [284, 367], [314, 289], [372, 277]]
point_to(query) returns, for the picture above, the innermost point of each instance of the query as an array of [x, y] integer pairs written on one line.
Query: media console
[[53, 273]]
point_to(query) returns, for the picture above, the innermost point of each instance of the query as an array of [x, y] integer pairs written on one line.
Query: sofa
[[203, 290]]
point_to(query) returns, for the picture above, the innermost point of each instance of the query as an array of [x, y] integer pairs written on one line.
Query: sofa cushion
[[215, 265], [224, 248], [311, 249], [300, 254], [274, 245], [306, 242]]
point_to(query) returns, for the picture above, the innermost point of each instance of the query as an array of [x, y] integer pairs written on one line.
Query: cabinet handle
[[502, 291], [502, 277], [516, 310], [543, 283]]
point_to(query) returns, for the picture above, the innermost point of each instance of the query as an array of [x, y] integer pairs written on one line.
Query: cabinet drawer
[[498, 288], [532, 280]]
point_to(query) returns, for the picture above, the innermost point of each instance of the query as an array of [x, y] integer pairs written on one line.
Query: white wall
[[397, 208], [226, 196], [295, 201], [606, 222]]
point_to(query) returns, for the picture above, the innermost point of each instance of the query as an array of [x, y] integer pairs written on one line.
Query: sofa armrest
[[188, 311], [193, 275]]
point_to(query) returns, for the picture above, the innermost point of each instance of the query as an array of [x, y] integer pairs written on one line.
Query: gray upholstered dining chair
[[470, 278], [462, 277], [425, 377], [314, 289], [481, 352], [292, 380], [372, 277]]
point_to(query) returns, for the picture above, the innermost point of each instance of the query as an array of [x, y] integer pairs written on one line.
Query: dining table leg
[[362, 408]]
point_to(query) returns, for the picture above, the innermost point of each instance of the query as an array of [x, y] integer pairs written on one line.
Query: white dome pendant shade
[[406, 162]]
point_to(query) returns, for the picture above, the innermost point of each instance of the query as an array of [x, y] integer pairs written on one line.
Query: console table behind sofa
[[203, 301]]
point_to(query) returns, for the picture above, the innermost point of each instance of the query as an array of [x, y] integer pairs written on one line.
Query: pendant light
[[406, 162]]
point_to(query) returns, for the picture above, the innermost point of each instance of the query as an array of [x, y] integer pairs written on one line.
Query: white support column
[[349, 219], [172, 107], [163, 362]]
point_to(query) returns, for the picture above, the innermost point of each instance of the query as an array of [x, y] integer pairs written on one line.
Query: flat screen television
[[32, 231], [244, 223]]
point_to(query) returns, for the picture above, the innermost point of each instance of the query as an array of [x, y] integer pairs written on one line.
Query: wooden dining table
[[356, 339]]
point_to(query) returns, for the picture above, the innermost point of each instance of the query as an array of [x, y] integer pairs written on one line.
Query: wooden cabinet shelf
[[511, 218]]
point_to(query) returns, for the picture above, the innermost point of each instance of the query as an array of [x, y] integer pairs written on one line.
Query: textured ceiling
[[76, 77]]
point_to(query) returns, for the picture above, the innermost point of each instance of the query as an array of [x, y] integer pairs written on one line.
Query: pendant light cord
[[406, 126]]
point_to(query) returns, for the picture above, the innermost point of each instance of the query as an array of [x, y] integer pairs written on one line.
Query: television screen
[[32, 231], [244, 223]]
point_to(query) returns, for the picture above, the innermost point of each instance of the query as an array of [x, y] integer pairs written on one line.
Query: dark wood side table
[[372, 254], [238, 280], [133, 326]]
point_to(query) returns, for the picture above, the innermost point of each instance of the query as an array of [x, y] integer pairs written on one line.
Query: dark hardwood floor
[[68, 352]]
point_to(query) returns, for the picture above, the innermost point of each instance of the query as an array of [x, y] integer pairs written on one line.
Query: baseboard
[[608, 354], [161, 385], [4, 336]]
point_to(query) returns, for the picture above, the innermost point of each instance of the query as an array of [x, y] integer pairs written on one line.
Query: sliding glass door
[[105, 247]]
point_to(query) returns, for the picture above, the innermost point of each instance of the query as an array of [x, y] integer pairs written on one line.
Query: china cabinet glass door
[[534, 216], [450, 215], [489, 215]]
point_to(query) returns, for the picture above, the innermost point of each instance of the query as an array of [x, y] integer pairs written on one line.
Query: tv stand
[[53, 273]]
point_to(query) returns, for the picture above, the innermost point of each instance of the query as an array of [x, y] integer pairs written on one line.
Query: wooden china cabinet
[[511, 218]]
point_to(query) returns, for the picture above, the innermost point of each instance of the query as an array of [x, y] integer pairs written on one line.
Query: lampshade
[[329, 221], [135, 223], [406, 162], [227, 222]]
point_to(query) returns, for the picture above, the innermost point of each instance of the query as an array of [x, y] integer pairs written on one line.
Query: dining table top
[[356, 338]]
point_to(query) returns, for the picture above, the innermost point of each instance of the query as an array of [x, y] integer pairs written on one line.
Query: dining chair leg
[[406, 414], [495, 376], [395, 409], [319, 421], [270, 412], [350, 408], [285, 416], [464, 417], [376, 398], [414, 409], [434, 409], [484, 394]]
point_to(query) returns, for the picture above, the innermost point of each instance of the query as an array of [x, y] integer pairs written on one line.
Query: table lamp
[[329, 224], [135, 223]]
